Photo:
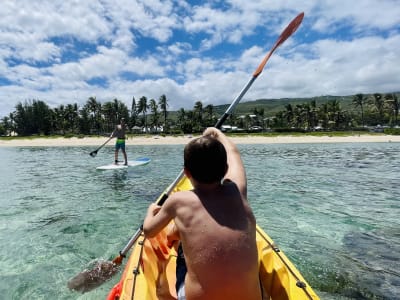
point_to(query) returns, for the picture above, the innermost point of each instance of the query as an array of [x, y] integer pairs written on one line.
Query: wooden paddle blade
[[290, 29], [91, 279], [118, 260]]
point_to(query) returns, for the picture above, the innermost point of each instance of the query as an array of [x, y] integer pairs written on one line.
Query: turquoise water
[[332, 208]]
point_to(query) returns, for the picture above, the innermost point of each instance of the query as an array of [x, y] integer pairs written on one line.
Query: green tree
[[109, 116], [72, 117], [324, 115], [185, 120], [259, 119], [84, 121], [94, 109], [379, 105], [33, 117], [163, 102], [142, 108], [121, 110], [288, 114], [393, 104], [210, 118], [155, 114], [334, 113], [59, 119], [7, 123], [133, 116], [198, 116], [359, 101], [313, 114]]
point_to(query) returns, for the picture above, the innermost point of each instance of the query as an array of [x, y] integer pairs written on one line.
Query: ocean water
[[334, 209]]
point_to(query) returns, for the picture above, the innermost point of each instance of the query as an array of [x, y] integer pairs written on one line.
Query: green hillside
[[273, 106]]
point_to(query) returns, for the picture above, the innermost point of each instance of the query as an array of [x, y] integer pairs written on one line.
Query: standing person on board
[[119, 133], [214, 222]]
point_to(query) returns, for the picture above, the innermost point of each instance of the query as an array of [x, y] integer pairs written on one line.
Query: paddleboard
[[131, 163]]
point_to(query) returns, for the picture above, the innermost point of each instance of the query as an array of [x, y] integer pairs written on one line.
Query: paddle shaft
[[95, 151], [289, 30]]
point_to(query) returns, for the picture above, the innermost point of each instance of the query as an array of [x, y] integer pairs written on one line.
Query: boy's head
[[205, 158]]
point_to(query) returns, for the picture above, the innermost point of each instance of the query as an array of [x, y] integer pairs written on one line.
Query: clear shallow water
[[332, 208]]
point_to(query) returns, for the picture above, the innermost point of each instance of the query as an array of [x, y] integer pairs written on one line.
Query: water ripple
[[332, 208]]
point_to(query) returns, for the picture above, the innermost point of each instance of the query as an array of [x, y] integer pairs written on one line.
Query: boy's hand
[[212, 131], [153, 209]]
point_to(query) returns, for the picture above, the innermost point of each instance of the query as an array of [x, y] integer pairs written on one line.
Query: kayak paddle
[[104, 270], [94, 153]]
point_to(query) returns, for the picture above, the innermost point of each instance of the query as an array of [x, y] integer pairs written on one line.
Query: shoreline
[[184, 139]]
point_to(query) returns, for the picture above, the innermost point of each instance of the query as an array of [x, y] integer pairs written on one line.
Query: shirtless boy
[[216, 225]]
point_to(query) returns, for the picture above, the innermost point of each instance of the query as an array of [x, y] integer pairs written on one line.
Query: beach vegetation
[[357, 113]]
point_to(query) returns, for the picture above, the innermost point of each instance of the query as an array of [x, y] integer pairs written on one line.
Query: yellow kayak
[[150, 270]]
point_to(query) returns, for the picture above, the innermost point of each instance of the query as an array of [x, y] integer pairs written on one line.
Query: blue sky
[[66, 51]]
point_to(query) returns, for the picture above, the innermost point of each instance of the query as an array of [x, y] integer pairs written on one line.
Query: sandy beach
[[184, 139]]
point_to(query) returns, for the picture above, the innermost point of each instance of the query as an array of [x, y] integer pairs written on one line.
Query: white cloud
[[59, 51]]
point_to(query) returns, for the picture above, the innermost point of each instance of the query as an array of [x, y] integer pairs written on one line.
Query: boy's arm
[[156, 219], [236, 171]]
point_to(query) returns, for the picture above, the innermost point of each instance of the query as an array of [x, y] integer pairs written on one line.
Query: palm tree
[[84, 122], [359, 101], [163, 102], [259, 116], [185, 120], [121, 110], [133, 116], [181, 116], [60, 119], [189, 122], [94, 109], [335, 112], [379, 104], [313, 114], [198, 115], [71, 115], [288, 114], [155, 115], [393, 102], [298, 116], [209, 110], [324, 115], [142, 108], [108, 110]]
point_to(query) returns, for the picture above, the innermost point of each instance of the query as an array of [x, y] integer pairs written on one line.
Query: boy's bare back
[[217, 230], [215, 223]]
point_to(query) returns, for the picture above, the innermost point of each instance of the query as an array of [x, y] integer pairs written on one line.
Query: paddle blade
[[93, 153], [118, 260], [91, 279], [289, 30]]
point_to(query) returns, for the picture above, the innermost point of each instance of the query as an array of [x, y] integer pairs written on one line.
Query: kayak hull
[[150, 270]]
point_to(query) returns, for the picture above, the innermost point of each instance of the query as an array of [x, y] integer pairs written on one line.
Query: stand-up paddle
[[104, 270], [94, 153]]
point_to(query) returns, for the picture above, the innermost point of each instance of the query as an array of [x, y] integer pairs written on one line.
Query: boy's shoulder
[[181, 195], [180, 198]]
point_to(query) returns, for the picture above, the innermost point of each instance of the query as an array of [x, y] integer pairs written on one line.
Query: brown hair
[[206, 160]]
